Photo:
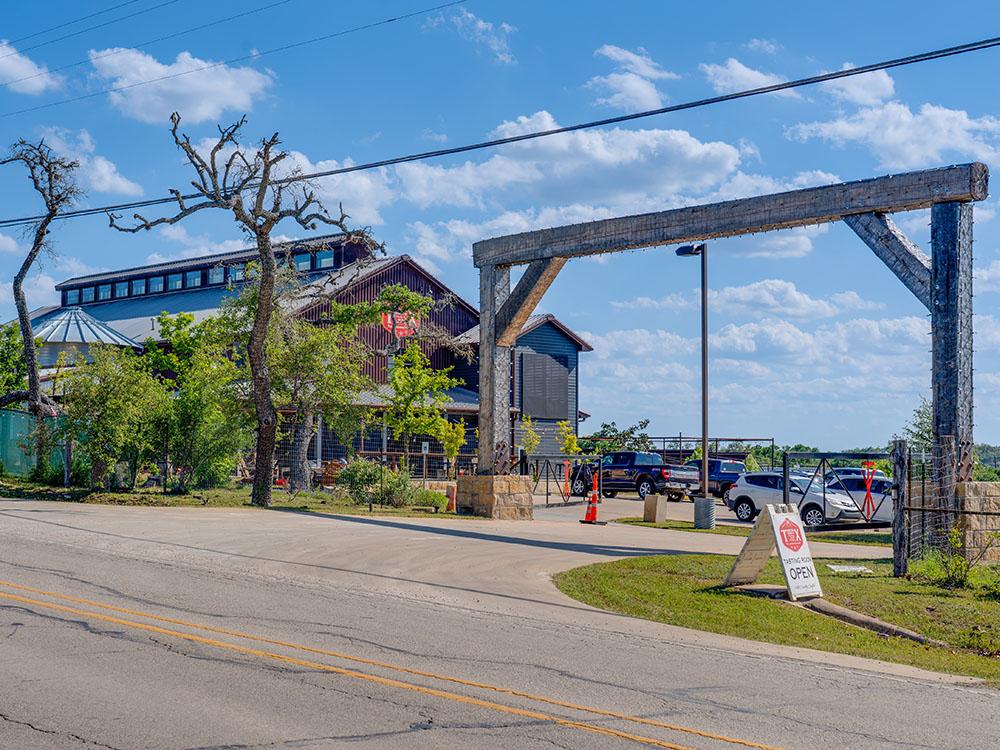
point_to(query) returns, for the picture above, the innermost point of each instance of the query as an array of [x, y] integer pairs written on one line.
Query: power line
[[811, 80], [157, 40], [242, 58], [70, 23], [89, 28]]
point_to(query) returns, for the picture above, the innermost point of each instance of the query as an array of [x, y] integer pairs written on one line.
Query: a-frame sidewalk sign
[[778, 526]]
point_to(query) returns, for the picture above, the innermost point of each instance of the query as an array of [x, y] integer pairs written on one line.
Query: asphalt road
[[203, 628]]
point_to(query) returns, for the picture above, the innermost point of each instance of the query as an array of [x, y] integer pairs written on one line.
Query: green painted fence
[[15, 443]]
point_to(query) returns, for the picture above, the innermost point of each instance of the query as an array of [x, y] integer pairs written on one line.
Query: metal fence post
[[900, 499]]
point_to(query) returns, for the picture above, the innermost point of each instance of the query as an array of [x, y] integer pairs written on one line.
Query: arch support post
[[951, 347]]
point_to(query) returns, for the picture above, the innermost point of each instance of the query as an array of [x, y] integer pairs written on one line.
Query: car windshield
[[648, 459]]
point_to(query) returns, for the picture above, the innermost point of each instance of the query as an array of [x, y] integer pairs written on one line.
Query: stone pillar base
[[982, 500], [503, 497]]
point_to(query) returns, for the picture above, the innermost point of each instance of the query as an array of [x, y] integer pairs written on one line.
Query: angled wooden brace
[[910, 264], [517, 308]]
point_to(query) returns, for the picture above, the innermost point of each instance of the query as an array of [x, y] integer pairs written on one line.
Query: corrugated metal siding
[[547, 339], [454, 318]]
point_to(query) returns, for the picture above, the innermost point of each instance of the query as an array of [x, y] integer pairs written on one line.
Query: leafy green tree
[[610, 438], [111, 406], [416, 398], [317, 370], [452, 437], [13, 369], [530, 440], [568, 442], [919, 431]]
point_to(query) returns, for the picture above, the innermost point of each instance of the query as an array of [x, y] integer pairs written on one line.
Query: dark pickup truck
[[722, 473], [634, 471]]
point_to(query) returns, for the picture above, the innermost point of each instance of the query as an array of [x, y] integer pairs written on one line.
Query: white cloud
[[430, 135], [204, 95], [617, 166], [98, 173], [8, 244], [767, 46], [363, 194], [787, 243], [735, 76], [866, 89], [632, 87], [672, 301], [986, 278], [781, 297], [40, 285], [193, 246], [902, 139], [495, 37], [24, 75]]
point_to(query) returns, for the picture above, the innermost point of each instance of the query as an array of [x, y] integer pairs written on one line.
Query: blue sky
[[813, 340]]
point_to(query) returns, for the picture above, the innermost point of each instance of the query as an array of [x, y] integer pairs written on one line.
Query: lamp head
[[689, 250]]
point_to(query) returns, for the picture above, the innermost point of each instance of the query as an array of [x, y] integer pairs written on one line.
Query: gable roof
[[535, 321]]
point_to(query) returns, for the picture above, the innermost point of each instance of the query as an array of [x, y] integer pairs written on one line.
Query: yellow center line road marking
[[386, 681], [397, 668]]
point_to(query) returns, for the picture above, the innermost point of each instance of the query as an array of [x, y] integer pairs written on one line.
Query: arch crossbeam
[[942, 282]]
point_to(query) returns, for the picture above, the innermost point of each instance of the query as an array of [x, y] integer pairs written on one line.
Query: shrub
[[395, 490], [430, 498], [360, 478]]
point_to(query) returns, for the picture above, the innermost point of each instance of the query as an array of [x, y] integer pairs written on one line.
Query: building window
[[324, 259], [155, 284], [174, 282], [138, 286], [192, 279], [237, 273], [121, 289], [216, 275], [104, 292], [72, 296], [303, 262], [88, 294]]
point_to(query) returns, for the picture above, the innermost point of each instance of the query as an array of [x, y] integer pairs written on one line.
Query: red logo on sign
[[402, 324], [791, 535]]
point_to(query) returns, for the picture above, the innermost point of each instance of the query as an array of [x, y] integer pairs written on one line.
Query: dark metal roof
[[472, 335], [246, 254], [71, 325]]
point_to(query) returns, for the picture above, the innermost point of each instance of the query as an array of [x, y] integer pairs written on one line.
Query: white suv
[[752, 491]]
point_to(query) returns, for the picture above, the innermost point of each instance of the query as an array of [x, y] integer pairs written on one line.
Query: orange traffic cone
[[591, 516]]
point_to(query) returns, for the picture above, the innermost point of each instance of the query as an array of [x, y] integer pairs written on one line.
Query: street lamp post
[[704, 511]]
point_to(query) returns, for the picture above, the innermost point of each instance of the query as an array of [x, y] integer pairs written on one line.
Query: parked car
[[848, 471], [722, 473], [752, 491], [635, 471], [854, 486]]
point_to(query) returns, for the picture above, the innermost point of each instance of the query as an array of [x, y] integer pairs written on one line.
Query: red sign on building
[[402, 324], [791, 535]]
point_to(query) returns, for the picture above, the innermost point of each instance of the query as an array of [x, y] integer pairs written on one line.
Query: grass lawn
[[684, 590], [837, 537], [239, 497]]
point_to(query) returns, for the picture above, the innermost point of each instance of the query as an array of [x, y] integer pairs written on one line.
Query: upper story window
[[174, 282], [155, 284], [88, 294], [72, 296], [121, 289], [324, 259], [216, 275], [237, 273], [104, 292], [303, 262], [139, 286], [192, 279]]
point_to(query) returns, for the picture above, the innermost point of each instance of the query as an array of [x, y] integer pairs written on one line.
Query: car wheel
[[609, 493], [812, 515], [579, 487], [644, 487], [744, 509], [675, 497]]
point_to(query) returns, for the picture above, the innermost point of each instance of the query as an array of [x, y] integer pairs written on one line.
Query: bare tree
[[53, 179], [253, 188]]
